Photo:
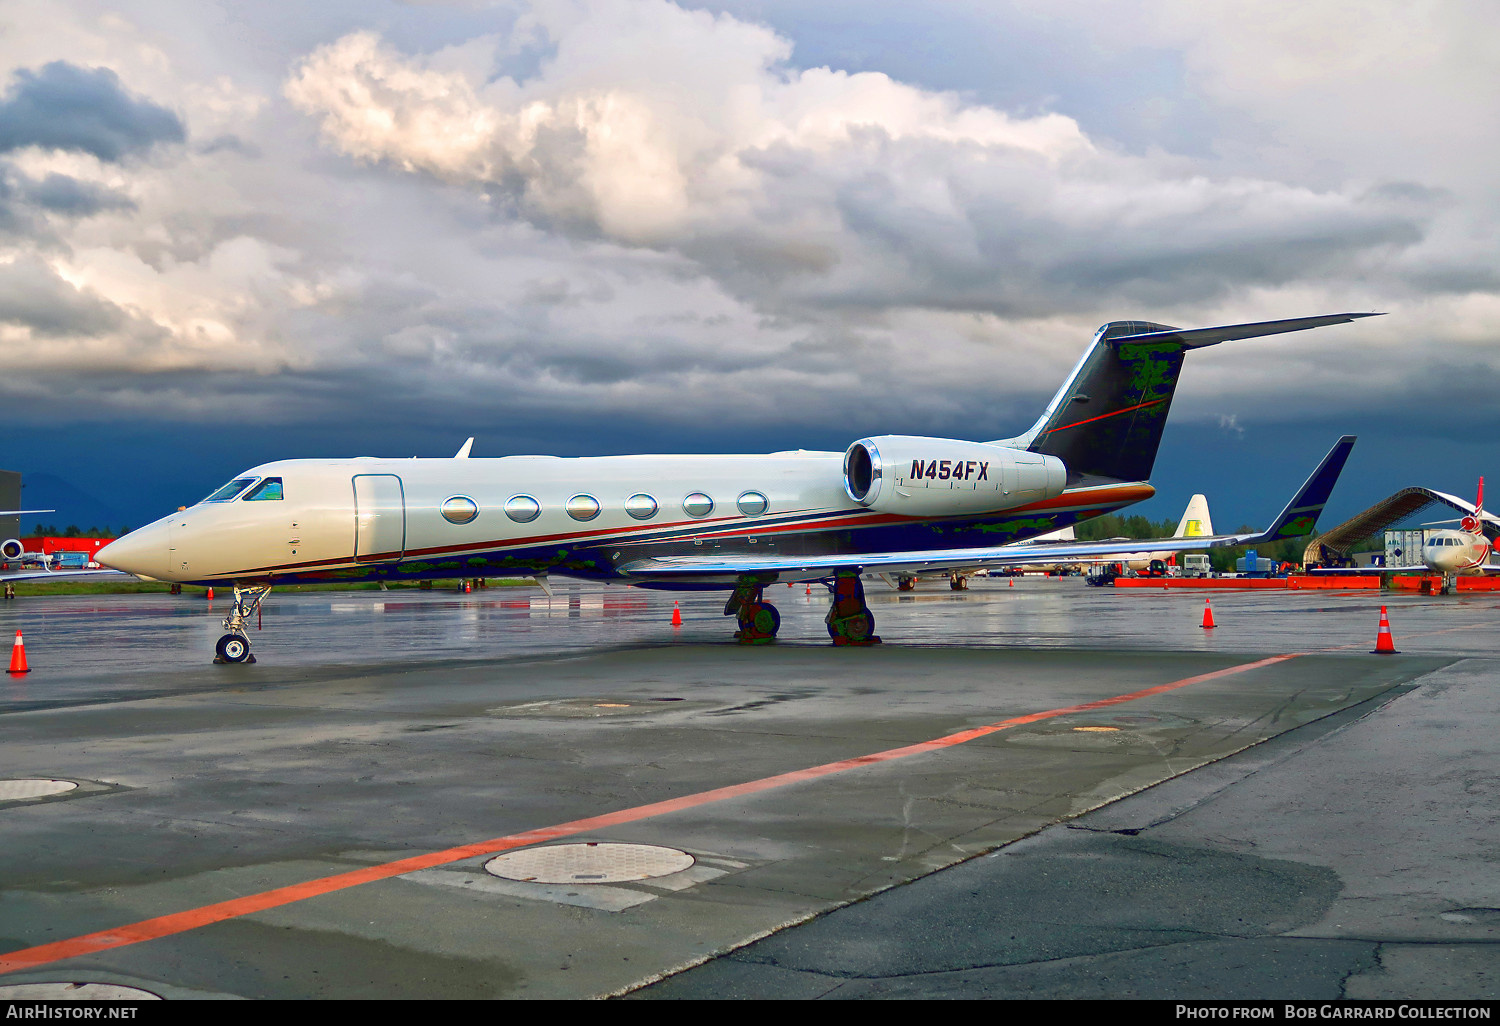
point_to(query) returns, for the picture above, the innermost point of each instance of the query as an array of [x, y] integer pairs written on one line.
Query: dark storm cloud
[[65, 107], [60, 194], [33, 296]]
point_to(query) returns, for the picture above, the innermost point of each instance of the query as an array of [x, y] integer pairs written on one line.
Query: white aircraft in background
[[1195, 523], [1462, 552], [11, 549], [888, 504]]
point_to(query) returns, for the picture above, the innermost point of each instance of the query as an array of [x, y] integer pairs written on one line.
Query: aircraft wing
[[1296, 520], [12, 576]]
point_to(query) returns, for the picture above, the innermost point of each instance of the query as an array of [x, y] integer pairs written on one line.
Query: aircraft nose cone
[[143, 553]]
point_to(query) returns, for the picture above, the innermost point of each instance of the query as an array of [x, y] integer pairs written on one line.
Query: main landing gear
[[234, 647], [849, 619], [759, 621]]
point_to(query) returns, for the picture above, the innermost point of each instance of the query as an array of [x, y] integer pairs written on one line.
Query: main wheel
[[855, 629], [232, 648], [766, 621]]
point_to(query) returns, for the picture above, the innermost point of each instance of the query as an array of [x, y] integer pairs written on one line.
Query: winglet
[[463, 453], [1300, 517]]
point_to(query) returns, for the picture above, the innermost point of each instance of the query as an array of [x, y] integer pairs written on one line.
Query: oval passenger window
[[583, 507], [697, 505], [523, 509], [641, 506], [459, 509], [753, 504]]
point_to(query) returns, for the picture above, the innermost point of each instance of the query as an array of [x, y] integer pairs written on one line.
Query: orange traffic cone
[[1012, 583], [1208, 615], [210, 594], [1384, 643], [676, 616], [18, 657], [809, 589]]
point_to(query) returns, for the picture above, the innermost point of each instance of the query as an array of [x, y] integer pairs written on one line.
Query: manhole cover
[[74, 991], [10, 790], [589, 863]]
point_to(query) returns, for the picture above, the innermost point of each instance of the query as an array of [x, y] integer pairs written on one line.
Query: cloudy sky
[[231, 233]]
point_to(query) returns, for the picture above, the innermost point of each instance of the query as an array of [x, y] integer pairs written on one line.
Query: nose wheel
[[234, 647]]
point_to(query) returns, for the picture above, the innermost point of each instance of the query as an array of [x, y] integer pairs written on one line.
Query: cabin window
[[641, 506], [753, 504], [459, 509], [583, 507], [230, 490], [523, 509], [697, 505], [270, 488]]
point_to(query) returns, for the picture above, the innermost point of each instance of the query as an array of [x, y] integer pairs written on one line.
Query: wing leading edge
[[1296, 520]]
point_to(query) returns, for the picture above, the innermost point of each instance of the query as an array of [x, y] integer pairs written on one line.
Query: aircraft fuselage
[[1456, 552], [422, 519]]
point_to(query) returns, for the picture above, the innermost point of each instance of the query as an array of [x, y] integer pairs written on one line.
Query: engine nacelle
[[917, 476], [11, 549]]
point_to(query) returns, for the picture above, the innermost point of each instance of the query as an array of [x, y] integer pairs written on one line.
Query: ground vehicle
[[1195, 564]]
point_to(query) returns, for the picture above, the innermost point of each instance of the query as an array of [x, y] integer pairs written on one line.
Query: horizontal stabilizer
[[1197, 338]]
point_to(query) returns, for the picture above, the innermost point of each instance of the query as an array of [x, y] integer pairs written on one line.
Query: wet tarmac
[[1130, 805]]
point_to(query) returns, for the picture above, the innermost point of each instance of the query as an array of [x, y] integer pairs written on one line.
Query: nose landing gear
[[234, 647]]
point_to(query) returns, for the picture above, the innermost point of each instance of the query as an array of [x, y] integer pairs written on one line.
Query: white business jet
[[1465, 551], [890, 504]]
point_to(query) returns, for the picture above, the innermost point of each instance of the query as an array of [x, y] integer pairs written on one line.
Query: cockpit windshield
[[270, 488], [230, 490]]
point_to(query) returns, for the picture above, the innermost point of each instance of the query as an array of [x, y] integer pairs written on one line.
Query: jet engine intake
[[11, 548], [917, 476]]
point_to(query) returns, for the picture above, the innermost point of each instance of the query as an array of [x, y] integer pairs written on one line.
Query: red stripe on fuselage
[[1110, 495]]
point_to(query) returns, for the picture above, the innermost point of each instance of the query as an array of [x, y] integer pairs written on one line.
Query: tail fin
[[1195, 522], [1107, 419], [1473, 523], [1300, 517]]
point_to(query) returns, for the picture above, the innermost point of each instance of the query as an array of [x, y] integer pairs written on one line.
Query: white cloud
[[650, 125], [612, 208]]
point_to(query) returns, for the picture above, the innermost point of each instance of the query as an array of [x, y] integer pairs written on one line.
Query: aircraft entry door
[[379, 518]]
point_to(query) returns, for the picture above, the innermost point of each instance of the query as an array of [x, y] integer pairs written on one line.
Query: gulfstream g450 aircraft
[[891, 503]]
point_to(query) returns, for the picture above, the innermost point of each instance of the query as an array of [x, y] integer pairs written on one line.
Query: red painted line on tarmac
[[181, 922]]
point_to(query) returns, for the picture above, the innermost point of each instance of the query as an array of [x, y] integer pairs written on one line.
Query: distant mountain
[[73, 505]]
